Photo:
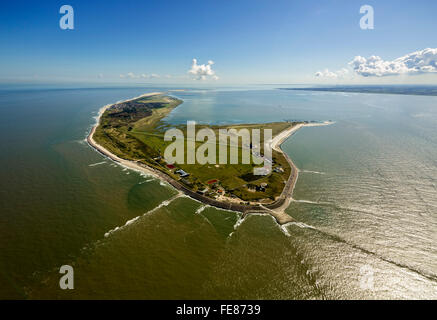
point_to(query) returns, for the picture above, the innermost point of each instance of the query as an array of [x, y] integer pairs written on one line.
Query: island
[[131, 132]]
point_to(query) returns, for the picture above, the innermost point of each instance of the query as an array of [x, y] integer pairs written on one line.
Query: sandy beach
[[127, 163], [287, 193], [284, 135]]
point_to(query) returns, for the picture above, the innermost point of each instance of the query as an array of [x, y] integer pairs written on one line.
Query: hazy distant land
[[385, 89]]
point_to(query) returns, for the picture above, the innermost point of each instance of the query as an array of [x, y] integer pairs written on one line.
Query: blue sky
[[249, 41]]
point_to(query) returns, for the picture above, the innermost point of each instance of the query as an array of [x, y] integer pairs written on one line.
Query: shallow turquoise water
[[366, 196]]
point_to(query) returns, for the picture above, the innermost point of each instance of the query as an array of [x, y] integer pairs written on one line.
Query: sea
[[365, 203]]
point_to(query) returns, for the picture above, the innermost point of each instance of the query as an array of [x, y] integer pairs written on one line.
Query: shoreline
[[277, 141], [276, 208]]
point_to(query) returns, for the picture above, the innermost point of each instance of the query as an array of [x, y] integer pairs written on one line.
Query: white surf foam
[[284, 230], [96, 164], [201, 208], [239, 222], [145, 181], [260, 214], [129, 222], [300, 225], [305, 201], [164, 184], [81, 141], [311, 202], [310, 171]]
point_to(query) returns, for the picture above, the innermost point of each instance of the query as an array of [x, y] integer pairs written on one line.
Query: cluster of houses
[[278, 169], [214, 188], [180, 172], [260, 188], [213, 184]]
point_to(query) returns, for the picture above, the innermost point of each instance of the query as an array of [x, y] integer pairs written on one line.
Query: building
[[262, 187], [202, 192], [182, 173], [278, 169]]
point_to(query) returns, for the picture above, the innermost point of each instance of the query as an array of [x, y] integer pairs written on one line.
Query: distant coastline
[[382, 89]]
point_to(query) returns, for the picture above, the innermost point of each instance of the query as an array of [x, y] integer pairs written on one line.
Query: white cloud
[[326, 74], [202, 71], [424, 61], [332, 75], [129, 75]]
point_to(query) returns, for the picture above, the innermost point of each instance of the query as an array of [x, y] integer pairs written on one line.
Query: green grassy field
[[134, 130]]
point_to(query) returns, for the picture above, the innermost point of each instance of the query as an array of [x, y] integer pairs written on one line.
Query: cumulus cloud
[[332, 74], [202, 71], [129, 75], [424, 61]]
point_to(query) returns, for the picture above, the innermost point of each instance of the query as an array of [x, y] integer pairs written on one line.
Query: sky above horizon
[[219, 42]]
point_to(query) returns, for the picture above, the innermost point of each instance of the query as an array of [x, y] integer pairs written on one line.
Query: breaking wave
[[311, 202], [129, 222], [309, 171], [145, 181], [96, 164], [201, 208]]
